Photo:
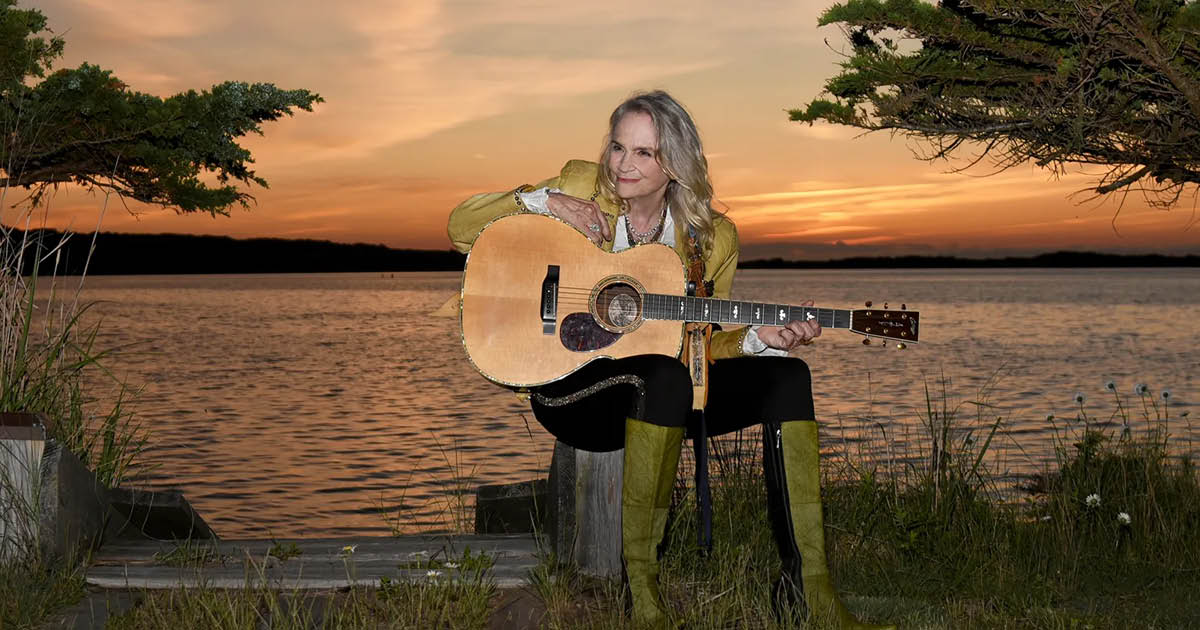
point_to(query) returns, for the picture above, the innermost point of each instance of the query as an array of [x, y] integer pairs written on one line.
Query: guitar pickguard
[[579, 332]]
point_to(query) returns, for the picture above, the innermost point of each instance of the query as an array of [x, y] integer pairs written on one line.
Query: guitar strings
[[583, 295], [575, 297]]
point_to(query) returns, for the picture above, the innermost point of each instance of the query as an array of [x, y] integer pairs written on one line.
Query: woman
[[652, 185]]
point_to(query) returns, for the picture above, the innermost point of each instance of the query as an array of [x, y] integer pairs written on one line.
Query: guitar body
[[507, 336]]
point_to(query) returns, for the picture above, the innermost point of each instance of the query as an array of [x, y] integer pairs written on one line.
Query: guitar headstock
[[902, 325]]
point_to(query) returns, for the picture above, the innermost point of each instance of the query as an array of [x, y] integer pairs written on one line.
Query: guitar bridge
[[550, 299]]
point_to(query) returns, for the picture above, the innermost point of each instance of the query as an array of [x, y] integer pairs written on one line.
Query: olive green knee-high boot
[[651, 457], [790, 459]]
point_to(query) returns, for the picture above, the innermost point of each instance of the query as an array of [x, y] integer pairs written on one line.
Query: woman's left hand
[[796, 333]]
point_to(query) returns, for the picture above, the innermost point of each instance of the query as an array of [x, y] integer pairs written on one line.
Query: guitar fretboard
[[694, 309]]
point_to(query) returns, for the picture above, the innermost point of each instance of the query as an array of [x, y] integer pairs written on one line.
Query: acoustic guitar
[[539, 301]]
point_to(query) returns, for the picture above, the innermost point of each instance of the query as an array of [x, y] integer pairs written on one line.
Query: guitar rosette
[[616, 304]]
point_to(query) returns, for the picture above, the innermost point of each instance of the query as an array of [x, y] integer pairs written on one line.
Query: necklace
[[638, 238]]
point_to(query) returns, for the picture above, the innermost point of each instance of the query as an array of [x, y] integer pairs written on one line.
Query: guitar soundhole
[[617, 306], [579, 332]]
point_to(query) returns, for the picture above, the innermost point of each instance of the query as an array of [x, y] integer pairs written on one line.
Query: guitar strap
[[697, 337]]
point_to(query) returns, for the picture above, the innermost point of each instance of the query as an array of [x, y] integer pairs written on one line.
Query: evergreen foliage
[[85, 126], [1114, 83]]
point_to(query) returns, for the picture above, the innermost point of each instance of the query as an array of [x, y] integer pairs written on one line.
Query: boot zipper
[[781, 478]]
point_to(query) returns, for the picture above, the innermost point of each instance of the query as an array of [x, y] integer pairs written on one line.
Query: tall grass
[[929, 539], [49, 358], [48, 363], [1104, 539]]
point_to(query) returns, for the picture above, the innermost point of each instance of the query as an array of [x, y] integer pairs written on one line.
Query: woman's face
[[631, 158]]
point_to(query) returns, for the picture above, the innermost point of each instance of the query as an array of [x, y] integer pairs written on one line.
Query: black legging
[[587, 409]]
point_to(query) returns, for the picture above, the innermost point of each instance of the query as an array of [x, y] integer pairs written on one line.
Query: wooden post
[[585, 509], [22, 441], [598, 512]]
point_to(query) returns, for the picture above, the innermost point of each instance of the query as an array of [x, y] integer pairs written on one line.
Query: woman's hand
[[585, 215], [796, 333]]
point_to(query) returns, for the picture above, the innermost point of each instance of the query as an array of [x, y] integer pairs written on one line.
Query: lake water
[[330, 405]]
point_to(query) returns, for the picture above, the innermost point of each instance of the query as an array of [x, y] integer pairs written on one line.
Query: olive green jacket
[[578, 179]]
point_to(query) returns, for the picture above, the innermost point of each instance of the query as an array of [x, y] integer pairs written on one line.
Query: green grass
[[31, 591], [47, 360], [930, 541], [193, 553]]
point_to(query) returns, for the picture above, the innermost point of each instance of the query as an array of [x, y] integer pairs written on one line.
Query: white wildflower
[[451, 565], [1141, 389], [1110, 385], [1079, 398], [1045, 518], [433, 574], [1123, 518], [1092, 500]]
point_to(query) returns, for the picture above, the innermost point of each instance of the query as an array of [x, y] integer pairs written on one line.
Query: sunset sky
[[429, 101]]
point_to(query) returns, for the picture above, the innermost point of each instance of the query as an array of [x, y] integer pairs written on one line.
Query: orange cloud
[[430, 101]]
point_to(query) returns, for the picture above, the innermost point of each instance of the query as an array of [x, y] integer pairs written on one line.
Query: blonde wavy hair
[[689, 193]]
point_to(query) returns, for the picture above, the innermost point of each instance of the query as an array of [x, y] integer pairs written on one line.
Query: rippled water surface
[[325, 405]]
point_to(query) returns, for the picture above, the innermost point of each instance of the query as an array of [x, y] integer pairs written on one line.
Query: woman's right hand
[[585, 215]]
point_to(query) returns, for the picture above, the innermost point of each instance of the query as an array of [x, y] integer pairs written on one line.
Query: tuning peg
[[868, 303], [867, 340], [904, 307], [901, 346], [885, 306]]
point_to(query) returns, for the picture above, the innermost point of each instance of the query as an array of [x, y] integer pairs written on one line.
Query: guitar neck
[[711, 310]]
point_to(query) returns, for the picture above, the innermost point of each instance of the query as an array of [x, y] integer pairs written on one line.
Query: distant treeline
[[1056, 259], [131, 254]]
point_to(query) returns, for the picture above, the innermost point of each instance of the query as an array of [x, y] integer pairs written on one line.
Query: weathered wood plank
[[301, 576], [392, 548], [321, 563]]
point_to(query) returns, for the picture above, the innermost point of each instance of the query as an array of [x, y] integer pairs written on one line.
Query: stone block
[[74, 505], [158, 514], [512, 508]]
